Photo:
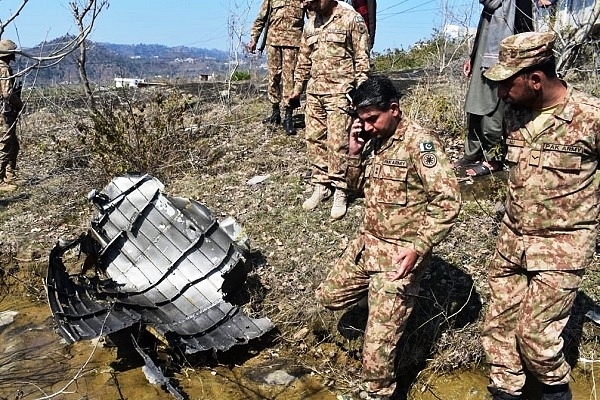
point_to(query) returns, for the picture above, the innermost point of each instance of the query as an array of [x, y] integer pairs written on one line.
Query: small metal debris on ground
[[255, 180], [160, 261], [7, 317], [153, 373], [593, 316]]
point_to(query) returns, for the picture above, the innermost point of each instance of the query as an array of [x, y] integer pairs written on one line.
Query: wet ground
[[35, 363]]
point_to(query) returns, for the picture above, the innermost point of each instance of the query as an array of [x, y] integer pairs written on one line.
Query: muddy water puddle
[[471, 385], [36, 363]]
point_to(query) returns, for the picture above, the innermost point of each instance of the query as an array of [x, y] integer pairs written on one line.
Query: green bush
[[240, 76], [147, 136], [437, 105], [435, 52]]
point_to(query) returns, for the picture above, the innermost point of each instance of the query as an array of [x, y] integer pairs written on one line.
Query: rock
[[7, 317], [279, 377]]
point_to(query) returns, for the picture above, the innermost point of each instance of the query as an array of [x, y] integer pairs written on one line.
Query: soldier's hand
[[356, 140], [406, 260], [294, 97], [545, 3], [251, 46], [467, 68]]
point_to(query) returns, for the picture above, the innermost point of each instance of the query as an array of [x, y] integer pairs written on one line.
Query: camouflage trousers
[[9, 149], [390, 304], [527, 313], [327, 138], [281, 62]]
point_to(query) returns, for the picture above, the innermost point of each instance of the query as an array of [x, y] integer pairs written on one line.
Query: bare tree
[[238, 17], [57, 54], [12, 17], [85, 14], [451, 42], [574, 36]]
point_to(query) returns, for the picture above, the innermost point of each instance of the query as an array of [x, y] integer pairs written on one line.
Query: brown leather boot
[[10, 176]]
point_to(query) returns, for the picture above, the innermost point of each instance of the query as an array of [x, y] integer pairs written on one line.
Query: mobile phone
[[364, 135], [294, 103]]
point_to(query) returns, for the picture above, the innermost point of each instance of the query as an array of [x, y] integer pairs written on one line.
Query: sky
[[205, 23]]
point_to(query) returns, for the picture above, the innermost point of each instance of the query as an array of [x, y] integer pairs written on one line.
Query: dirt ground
[[292, 250]]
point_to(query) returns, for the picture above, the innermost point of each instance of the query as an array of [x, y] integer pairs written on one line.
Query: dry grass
[[292, 250]]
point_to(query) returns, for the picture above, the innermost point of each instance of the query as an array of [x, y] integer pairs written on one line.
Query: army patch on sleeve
[[426, 147], [428, 160]]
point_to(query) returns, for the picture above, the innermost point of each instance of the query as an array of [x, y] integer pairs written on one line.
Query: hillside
[[105, 61]]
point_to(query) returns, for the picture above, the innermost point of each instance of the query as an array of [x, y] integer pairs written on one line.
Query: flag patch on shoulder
[[426, 147]]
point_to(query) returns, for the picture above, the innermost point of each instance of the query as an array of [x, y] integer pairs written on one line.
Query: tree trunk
[[573, 40]]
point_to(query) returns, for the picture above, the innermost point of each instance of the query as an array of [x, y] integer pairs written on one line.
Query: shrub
[[146, 136], [240, 76], [437, 105], [437, 52]]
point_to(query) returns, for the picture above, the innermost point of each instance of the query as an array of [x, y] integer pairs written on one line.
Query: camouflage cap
[[521, 51], [7, 46]]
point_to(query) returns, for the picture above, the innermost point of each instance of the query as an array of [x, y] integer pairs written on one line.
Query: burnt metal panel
[[163, 262]]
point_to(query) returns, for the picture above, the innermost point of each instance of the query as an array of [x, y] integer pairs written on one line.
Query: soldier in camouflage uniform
[[368, 10], [548, 233], [10, 107], [333, 59], [282, 21], [412, 199]]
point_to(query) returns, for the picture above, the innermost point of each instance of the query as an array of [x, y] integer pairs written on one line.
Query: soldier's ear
[[536, 77], [395, 109]]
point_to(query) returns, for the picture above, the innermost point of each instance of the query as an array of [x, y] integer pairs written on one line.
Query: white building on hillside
[[458, 31], [128, 82]]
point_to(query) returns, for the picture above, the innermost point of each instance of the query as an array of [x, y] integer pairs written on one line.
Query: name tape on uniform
[[563, 148], [395, 162]]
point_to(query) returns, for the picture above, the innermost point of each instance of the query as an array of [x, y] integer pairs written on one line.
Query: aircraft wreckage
[[160, 261]]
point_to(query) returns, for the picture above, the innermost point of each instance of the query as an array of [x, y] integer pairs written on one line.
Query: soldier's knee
[[328, 299], [324, 298]]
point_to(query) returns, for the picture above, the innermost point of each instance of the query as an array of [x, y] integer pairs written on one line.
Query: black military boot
[[275, 117], [557, 392], [288, 123], [498, 394]]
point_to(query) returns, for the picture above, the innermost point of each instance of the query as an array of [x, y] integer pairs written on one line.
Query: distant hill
[[106, 61], [157, 50]]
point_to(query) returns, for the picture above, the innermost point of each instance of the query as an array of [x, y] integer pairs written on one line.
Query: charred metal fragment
[[164, 262], [153, 373]]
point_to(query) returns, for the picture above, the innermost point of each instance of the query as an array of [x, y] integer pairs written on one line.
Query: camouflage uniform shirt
[[285, 20], [10, 105], [6, 86], [412, 195], [552, 202], [334, 54]]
